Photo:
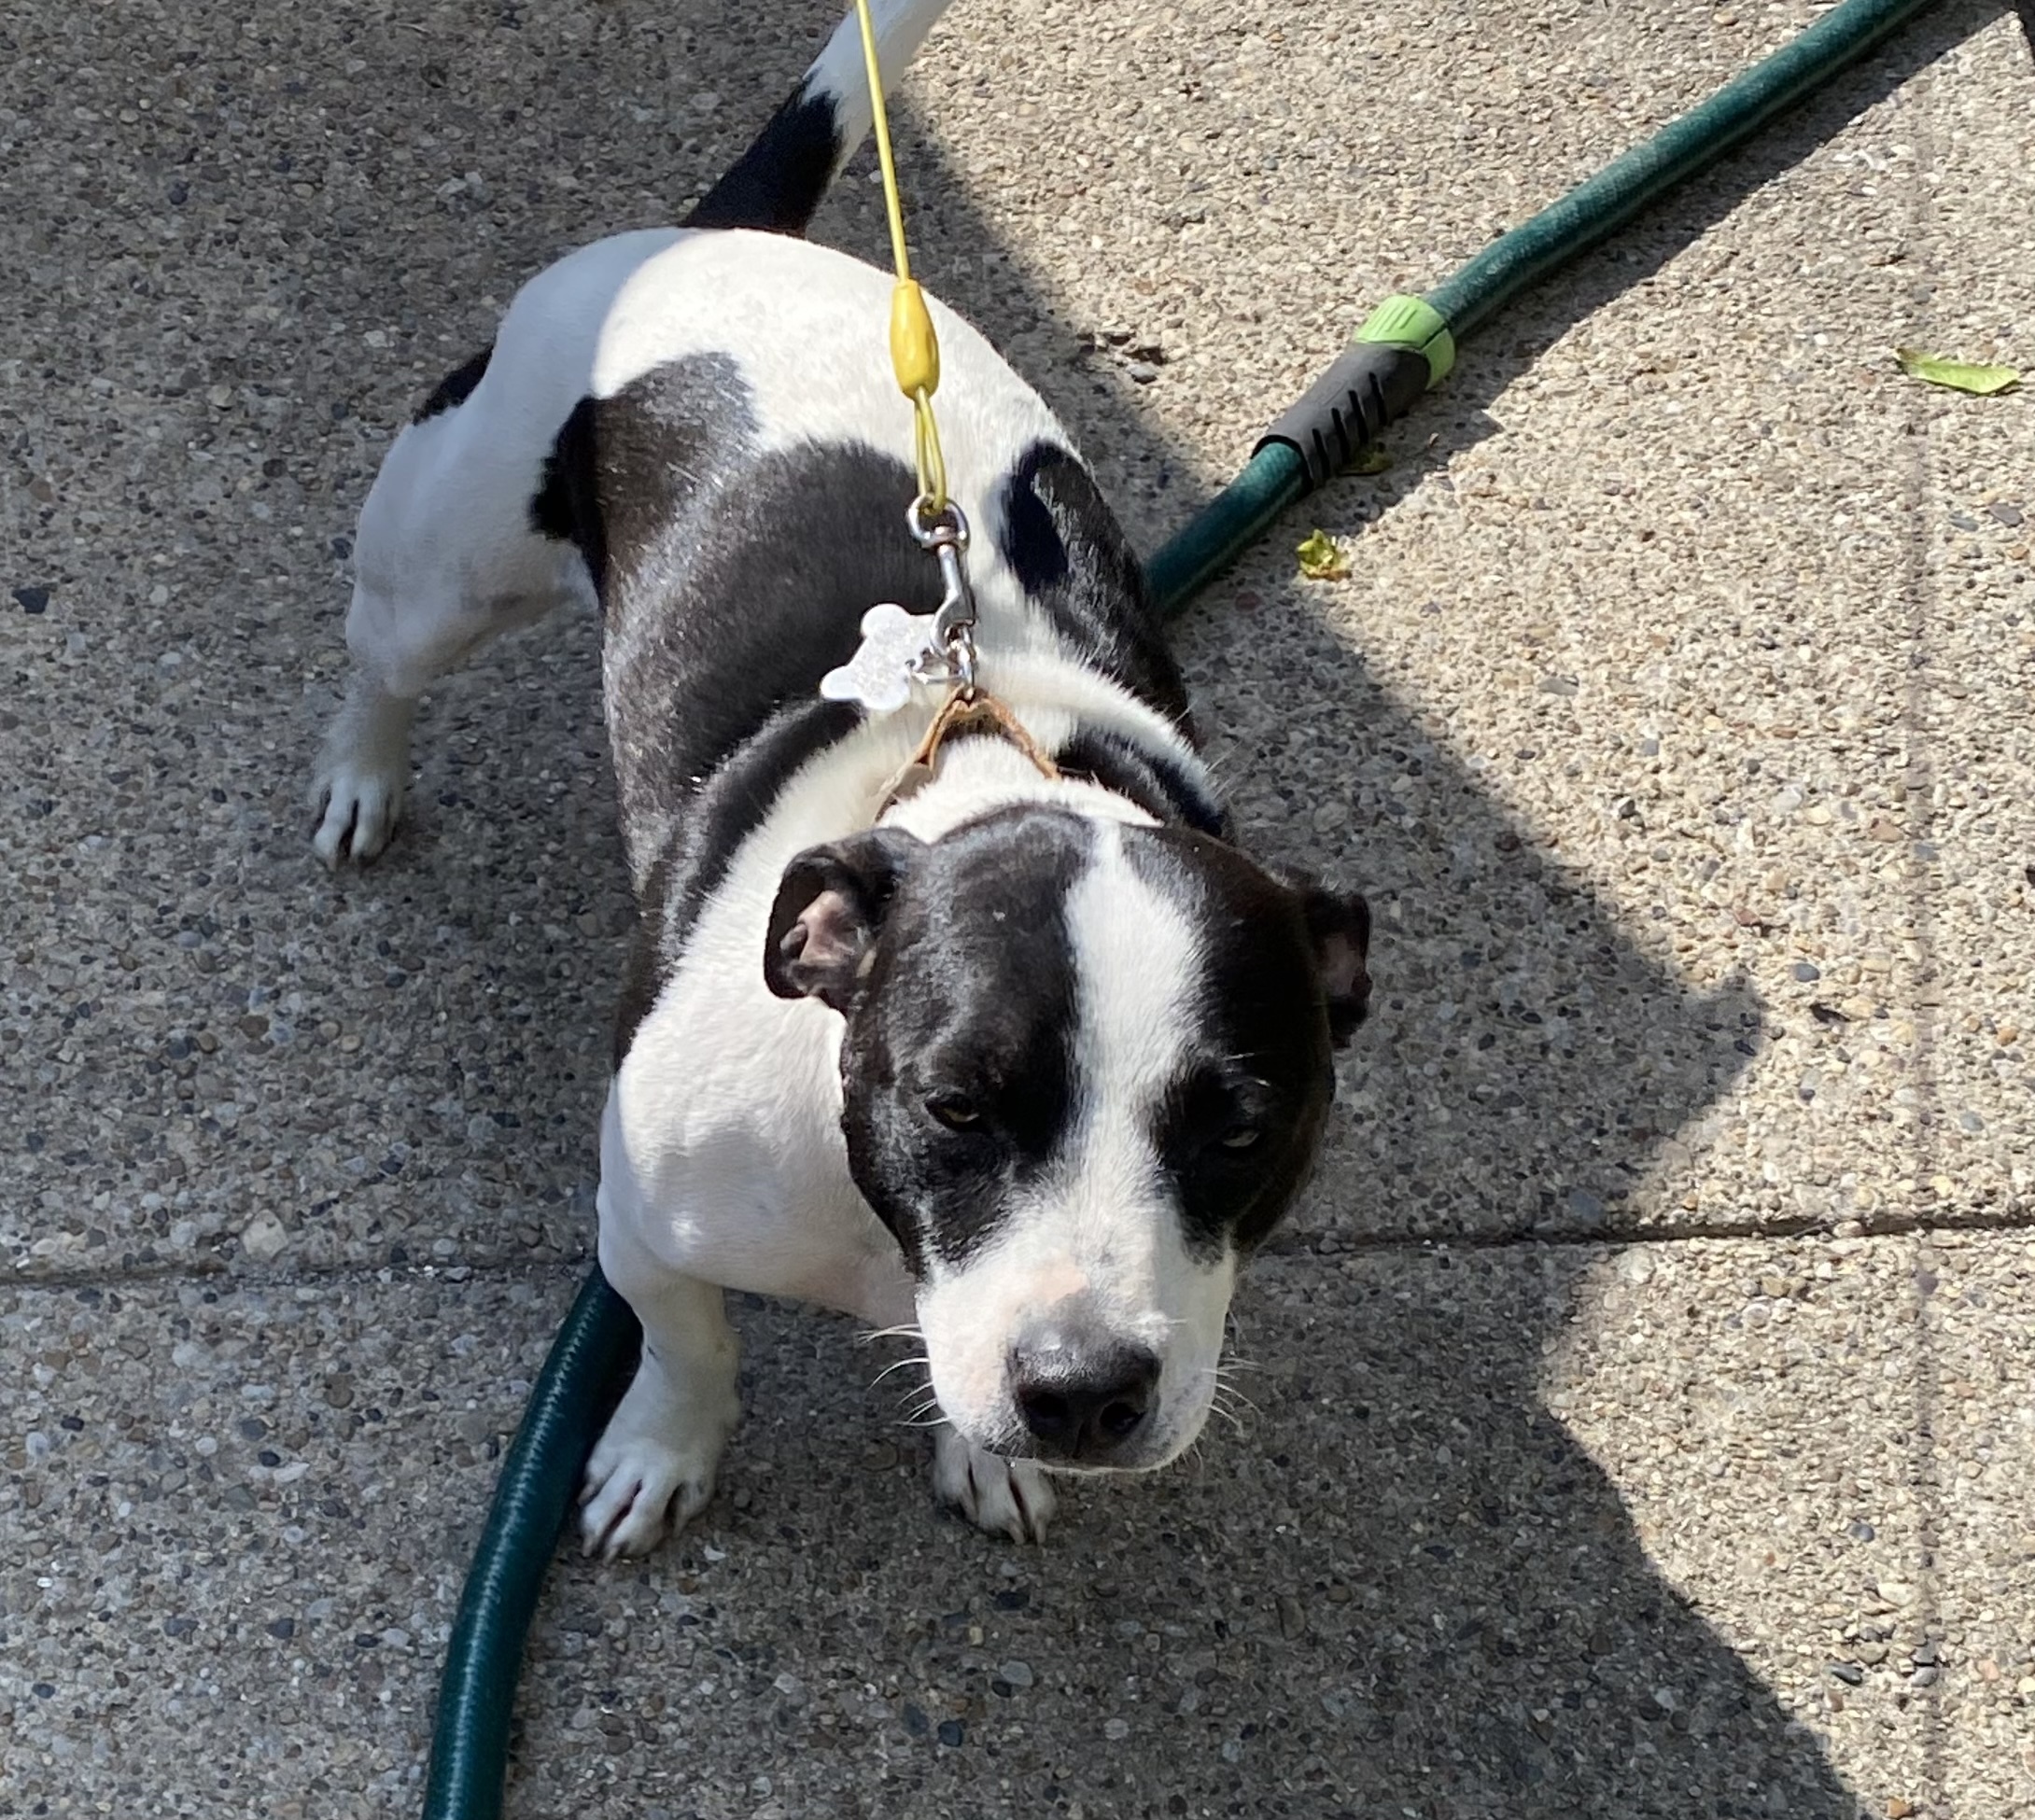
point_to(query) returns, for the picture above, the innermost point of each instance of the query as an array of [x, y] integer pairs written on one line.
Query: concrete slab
[[1760, 1408], [333, 1079], [1642, 846], [1526, 1530], [244, 256], [235, 1524]]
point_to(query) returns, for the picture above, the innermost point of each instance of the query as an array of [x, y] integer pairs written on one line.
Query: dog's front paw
[[652, 1470], [1006, 1497]]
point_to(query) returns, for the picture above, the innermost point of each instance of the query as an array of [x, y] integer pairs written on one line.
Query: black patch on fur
[[777, 183], [1151, 780], [731, 584], [564, 506], [736, 796], [1262, 1056], [971, 992], [642, 968], [1070, 555], [717, 629], [457, 387]]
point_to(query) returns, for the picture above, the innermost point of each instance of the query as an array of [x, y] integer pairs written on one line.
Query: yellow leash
[[915, 351], [900, 648]]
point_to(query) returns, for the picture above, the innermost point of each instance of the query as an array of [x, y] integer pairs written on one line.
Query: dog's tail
[[778, 182]]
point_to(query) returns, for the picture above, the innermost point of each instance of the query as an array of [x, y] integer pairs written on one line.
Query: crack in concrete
[[1783, 1231]]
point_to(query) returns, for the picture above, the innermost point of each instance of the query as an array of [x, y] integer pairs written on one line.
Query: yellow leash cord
[[915, 351]]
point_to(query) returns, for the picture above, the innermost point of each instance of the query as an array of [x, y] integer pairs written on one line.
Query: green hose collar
[[1415, 323]]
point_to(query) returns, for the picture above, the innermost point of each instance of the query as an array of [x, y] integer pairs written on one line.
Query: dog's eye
[[1242, 1136], [955, 1110]]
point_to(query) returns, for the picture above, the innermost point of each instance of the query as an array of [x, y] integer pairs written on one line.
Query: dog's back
[[736, 479]]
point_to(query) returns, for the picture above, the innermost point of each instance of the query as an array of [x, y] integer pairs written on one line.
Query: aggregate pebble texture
[[1643, 1393]]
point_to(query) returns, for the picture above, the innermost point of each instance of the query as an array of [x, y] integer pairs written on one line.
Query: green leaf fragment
[[1960, 375], [1322, 558], [1371, 461]]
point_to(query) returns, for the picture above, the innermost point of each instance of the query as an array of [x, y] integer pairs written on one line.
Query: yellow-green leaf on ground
[[1322, 558], [1373, 461], [1960, 375]]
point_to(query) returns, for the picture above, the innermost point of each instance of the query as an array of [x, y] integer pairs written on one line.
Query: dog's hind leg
[[448, 556], [357, 790]]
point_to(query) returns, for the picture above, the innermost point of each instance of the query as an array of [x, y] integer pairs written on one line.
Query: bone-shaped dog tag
[[895, 644]]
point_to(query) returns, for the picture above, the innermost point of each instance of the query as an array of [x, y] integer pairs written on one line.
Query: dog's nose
[[1081, 1398]]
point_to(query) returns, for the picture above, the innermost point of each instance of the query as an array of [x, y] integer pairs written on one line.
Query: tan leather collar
[[964, 711]]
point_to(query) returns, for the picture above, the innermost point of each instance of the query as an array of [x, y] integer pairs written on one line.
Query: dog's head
[[1086, 1069]]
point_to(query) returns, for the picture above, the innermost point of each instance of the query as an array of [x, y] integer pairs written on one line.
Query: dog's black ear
[[1340, 925], [829, 904]]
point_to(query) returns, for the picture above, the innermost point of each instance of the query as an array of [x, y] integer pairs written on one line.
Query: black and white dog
[[1025, 1062]]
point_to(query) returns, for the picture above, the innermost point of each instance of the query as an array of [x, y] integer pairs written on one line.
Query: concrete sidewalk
[[1646, 1393]]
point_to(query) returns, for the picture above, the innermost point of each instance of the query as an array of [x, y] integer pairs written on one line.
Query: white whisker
[[1231, 1396], [921, 1360]]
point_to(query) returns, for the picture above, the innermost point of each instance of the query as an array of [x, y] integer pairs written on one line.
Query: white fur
[[842, 72], [654, 1463], [1099, 1242], [729, 1164], [784, 309], [445, 558], [723, 1161]]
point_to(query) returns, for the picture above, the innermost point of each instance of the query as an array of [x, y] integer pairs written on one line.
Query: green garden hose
[[534, 1496], [1406, 345]]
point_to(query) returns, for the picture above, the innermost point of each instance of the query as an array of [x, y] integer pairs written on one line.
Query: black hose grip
[[1372, 384]]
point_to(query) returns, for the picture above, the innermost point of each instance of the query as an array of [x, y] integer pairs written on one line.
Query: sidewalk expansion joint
[[1885, 1226], [225, 1276]]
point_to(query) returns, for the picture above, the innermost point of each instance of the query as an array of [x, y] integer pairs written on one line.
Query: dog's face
[[1086, 1069]]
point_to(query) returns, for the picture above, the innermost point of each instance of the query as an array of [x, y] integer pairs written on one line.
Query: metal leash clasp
[[951, 660]]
